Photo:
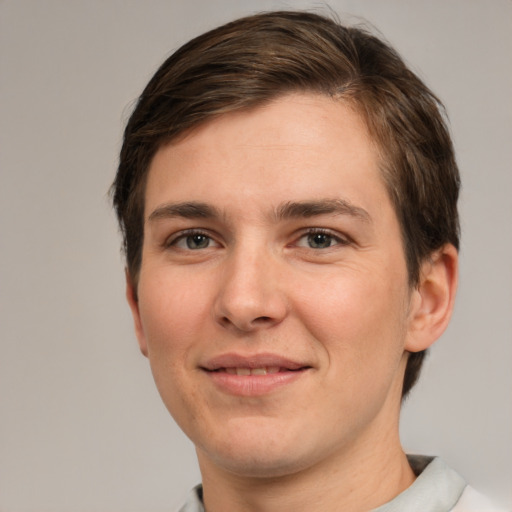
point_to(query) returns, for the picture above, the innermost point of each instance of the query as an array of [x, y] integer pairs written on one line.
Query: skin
[[255, 276]]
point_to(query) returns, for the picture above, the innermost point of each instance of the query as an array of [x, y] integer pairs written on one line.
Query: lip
[[233, 360], [253, 385]]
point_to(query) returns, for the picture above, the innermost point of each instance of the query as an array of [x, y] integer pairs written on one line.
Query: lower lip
[[253, 385]]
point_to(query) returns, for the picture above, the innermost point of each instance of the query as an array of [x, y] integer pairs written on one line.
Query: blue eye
[[319, 240], [197, 241], [193, 241]]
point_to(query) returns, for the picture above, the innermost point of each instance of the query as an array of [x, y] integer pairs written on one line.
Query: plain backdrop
[[81, 424]]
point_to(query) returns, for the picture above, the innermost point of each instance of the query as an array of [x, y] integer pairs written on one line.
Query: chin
[[262, 455], [262, 465]]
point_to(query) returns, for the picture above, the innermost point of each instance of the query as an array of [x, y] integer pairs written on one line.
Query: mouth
[[252, 364], [264, 370], [253, 375]]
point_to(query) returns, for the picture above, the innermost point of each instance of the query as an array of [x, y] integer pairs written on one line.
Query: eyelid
[[172, 240], [341, 239]]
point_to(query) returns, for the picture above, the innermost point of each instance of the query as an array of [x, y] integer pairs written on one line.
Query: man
[[287, 192]]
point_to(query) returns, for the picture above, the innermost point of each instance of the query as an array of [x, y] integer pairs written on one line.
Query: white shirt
[[437, 488]]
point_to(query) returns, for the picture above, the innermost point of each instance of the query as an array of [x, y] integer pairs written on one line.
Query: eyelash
[[310, 232], [183, 235], [340, 240]]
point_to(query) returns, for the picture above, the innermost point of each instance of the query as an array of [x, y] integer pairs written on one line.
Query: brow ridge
[[293, 209], [285, 211], [188, 210]]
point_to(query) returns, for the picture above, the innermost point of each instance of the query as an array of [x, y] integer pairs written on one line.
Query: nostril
[[255, 322], [225, 320], [262, 319]]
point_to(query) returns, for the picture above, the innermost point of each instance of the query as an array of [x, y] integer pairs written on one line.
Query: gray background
[[81, 425]]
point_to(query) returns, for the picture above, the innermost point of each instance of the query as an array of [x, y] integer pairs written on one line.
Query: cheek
[[172, 310], [360, 321], [172, 313]]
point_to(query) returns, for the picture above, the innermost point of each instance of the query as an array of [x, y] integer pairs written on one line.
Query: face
[[273, 299]]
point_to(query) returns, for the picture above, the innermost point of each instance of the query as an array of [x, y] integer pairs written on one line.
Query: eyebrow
[[288, 210], [306, 209], [187, 210]]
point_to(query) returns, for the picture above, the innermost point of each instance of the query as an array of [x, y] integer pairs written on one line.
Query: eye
[[192, 241], [320, 239]]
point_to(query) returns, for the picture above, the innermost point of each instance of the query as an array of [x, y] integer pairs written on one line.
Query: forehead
[[299, 146]]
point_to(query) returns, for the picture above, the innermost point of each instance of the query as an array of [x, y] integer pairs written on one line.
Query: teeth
[[252, 371]]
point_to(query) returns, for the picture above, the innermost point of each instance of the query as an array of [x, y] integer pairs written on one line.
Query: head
[[255, 60]]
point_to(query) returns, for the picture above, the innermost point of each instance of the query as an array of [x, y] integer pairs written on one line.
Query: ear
[[432, 300], [131, 297]]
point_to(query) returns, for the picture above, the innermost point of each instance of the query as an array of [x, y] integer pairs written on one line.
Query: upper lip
[[233, 360]]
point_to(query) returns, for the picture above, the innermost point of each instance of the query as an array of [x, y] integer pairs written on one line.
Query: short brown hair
[[256, 59]]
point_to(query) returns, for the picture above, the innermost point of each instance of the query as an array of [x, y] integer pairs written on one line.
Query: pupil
[[320, 240], [197, 241]]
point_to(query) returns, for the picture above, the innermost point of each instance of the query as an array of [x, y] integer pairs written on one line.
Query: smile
[[266, 370], [253, 375]]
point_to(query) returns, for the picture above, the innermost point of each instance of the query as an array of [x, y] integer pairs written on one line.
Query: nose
[[250, 297]]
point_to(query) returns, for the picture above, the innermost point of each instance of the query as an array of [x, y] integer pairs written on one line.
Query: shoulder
[[194, 501], [472, 501]]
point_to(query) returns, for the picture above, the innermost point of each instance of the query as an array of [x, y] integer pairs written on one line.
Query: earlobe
[[131, 297], [433, 299]]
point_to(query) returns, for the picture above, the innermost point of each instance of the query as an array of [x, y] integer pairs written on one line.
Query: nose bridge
[[250, 296]]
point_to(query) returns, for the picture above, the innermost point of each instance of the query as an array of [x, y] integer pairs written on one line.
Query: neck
[[358, 479]]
